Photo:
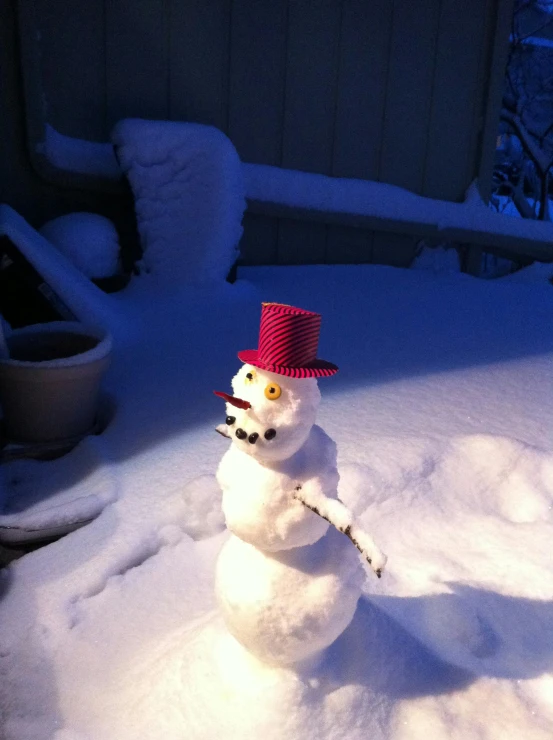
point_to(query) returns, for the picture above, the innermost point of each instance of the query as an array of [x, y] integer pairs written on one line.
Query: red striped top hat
[[288, 341]]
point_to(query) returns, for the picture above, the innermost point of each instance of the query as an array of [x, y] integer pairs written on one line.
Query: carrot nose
[[238, 402]]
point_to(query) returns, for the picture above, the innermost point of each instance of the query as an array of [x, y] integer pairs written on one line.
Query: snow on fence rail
[[381, 207], [279, 192]]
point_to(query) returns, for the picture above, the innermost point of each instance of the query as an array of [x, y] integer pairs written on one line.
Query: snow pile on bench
[[189, 197]]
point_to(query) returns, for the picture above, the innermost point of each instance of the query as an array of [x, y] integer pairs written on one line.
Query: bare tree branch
[[527, 108], [325, 508], [533, 151]]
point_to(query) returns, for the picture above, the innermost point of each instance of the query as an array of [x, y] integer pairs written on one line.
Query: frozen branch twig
[[335, 513], [525, 136]]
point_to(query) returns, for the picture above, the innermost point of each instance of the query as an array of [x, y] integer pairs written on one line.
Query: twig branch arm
[[340, 517]]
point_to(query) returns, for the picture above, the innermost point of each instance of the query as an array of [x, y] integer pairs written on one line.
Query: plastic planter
[[49, 386]]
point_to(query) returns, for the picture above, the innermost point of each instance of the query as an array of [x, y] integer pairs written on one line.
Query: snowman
[[288, 578]]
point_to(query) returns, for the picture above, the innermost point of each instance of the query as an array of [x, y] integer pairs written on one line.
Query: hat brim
[[316, 369]]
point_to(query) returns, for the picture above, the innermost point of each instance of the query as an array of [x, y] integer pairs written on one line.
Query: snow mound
[[237, 697], [439, 260], [88, 240], [508, 478], [189, 197], [74, 489], [483, 510], [537, 272], [202, 515]]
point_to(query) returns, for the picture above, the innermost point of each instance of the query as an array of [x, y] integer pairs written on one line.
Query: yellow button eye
[[272, 391], [250, 377]]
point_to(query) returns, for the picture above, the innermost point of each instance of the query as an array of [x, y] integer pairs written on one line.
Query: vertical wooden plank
[[361, 95], [346, 245], [137, 71], [394, 249], [258, 245], [310, 100], [471, 258], [457, 91], [409, 93], [407, 111], [71, 42], [301, 242], [256, 104], [199, 38], [311, 77], [19, 185], [257, 79]]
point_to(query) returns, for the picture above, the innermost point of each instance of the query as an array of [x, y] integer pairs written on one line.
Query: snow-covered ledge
[[286, 193], [81, 299], [381, 207]]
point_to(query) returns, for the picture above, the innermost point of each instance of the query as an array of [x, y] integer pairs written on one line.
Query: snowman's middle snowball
[[258, 500]]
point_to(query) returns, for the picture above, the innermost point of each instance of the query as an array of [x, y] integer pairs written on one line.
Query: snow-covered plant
[[527, 110]]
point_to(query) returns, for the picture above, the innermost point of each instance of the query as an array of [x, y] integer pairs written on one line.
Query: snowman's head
[[280, 415]]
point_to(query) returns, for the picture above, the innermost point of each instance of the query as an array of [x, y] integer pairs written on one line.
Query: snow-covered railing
[[77, 293], [278, 192], [373, 205]]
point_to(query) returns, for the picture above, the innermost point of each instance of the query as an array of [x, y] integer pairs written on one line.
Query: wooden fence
[[397, 91]]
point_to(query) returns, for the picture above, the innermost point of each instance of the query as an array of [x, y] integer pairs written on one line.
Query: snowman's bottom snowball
[[237, 697], [285, 607]]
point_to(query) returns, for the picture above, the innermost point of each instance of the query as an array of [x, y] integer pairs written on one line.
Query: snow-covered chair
[[189, 197]]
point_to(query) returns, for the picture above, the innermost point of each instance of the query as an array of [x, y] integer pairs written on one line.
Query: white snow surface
[[443, 417], [189, 197], [88, 240], [537, 272]]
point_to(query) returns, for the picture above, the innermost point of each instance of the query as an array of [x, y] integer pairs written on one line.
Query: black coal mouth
[[242, 434], [254, 436]]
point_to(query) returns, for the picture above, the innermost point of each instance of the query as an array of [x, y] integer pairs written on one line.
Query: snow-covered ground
[[443, 415]]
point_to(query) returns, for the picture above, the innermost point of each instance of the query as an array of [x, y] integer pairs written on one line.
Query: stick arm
[[337, 514]]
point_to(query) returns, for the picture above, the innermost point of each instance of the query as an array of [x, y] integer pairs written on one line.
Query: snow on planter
[[189, 197], [88, 240]]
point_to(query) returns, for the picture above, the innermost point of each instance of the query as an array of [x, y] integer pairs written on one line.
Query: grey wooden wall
[[391, 90]]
